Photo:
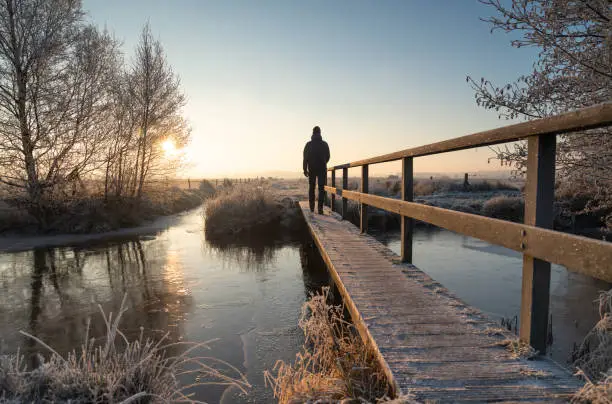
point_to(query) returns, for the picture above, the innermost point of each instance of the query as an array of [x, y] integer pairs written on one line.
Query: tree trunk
[[142, 161]]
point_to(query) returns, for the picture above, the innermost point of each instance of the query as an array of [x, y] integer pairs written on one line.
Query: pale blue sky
[[377, 76]]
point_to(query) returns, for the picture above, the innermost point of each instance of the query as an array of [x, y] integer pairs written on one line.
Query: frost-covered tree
[[54, 70], [573, 70], [157, 97]]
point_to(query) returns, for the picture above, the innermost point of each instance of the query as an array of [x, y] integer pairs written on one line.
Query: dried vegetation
[[334, 364], [243, 208], [113, 371], [594, 361]]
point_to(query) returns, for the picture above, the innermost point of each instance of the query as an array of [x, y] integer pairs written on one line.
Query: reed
[[594, 361], [113, 370], [241, 208], [334, 363]]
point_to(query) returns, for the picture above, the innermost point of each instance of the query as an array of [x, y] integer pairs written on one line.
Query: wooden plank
[[504, 394], [539, 199], [579, 254], [587, 118], [422, 340], [394, 387]]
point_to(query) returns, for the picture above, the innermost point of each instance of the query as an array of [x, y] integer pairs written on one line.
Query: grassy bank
[[492, 198], [112, 370], [333, 365], [241, 209], [93, 213]]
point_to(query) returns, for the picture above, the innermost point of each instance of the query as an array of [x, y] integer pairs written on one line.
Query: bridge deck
[[430, 343]]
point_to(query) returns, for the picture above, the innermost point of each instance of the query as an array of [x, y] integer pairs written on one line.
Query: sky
[[376, 76]]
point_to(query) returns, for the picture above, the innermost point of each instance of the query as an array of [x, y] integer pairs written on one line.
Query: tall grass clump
[[241, 208], [113, 371], [594, 361], [207, 188], [596, 392], [425, 187], [505, 207], [334, 363]]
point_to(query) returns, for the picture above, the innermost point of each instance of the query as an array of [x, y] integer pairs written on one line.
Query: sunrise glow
[[169, 148]]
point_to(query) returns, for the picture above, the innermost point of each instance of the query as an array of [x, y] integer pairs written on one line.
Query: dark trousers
[[321, 178]]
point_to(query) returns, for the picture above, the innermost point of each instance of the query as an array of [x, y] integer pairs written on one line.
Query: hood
[[316, 137]]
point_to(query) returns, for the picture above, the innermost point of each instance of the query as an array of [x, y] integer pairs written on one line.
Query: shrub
[[423, 187], [206, 188], [594, 357], [396, 188], [504, 207], [353, 185], [333, 364], [240, 209], [428, 187], [491, 185]]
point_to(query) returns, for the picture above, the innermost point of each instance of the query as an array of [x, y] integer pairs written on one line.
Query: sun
[[169, 148]]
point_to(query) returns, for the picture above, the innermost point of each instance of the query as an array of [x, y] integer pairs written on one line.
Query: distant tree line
[[73, 110]]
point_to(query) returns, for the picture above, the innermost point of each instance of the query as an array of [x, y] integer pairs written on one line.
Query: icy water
[[489, 277], [247, 297]]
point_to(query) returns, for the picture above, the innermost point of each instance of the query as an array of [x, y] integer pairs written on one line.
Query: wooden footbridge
[[430, 344]]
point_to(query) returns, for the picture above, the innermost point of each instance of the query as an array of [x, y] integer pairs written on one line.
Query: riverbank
[[245, 296], [93, 214], [243, 209], [111, 369], [333, 366], [10, 243]]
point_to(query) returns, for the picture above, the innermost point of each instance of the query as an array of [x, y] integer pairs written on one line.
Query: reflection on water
[[248, 294], [51, 293], [254, 251], [489, 278]]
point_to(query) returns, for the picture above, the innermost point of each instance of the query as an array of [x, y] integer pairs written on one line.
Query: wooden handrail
[[579, 254], [535, 238]]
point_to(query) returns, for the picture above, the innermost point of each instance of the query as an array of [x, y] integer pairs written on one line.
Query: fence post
[[364, 189], [333, 196], [539, 198], [344, 186], [407, 195]]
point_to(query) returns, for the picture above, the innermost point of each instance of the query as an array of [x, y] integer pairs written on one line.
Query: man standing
[[316, 156]]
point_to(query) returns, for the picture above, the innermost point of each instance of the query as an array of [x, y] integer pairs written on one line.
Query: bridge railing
[[535, 239]]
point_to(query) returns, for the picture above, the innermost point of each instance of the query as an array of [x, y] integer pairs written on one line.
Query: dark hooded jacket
[[316, 155]]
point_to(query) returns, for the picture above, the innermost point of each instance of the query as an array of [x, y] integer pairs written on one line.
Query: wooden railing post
[[344, 186], [333, 197], [539, 198], [407, 195], [363, 214]]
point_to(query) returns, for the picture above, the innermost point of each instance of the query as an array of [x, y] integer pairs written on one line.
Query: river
[[248, 297]]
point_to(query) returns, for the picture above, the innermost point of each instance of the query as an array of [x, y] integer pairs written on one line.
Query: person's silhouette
[[316, 156]]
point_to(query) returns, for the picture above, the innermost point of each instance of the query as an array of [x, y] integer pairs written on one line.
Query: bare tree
[[573, 70], [155, 91], [120, 155], [53, 73]]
